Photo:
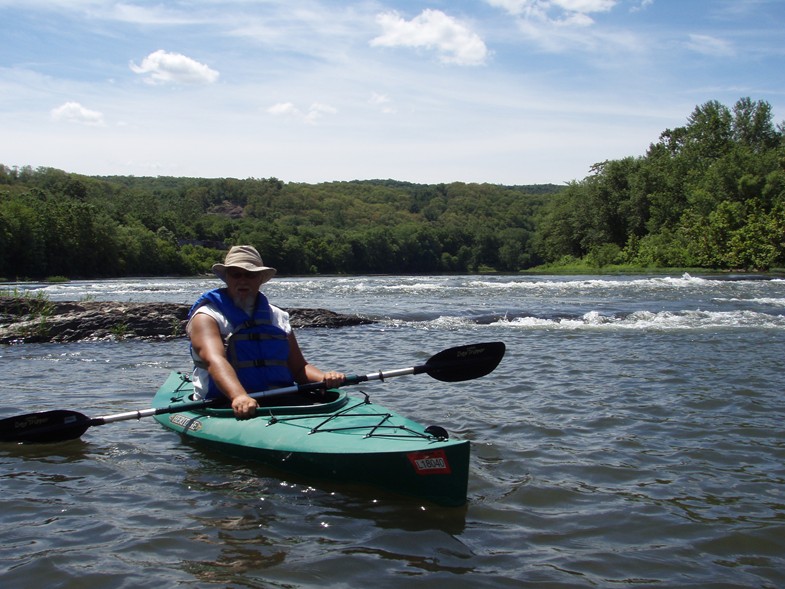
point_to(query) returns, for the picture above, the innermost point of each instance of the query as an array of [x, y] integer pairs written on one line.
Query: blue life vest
[[257, 350]]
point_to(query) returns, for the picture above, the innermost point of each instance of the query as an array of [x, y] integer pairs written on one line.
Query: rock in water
[[30, 320]]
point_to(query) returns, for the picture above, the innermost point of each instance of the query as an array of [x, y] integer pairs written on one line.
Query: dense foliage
[[710, 194], [57, 224]]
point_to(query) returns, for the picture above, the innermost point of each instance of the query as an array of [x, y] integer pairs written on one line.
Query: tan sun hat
[[247, 258]]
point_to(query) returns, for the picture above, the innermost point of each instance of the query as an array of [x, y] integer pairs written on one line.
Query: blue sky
[[500, 91]]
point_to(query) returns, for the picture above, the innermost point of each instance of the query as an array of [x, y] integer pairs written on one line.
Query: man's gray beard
[[246, 303]]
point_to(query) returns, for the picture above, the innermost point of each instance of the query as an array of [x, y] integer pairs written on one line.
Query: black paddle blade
[[464, 362], [43, 427]]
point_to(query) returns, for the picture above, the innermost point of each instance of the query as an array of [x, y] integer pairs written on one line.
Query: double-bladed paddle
[[450, 365]]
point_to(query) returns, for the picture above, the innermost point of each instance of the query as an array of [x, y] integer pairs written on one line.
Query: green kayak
[[339, 437], [344, 438]]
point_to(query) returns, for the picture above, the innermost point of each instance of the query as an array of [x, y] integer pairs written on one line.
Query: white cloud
[[432, 29], [315, 112], [567, 9], [283, 109], [517, 7], [561, 26], [584, 6], [644, 4], [162, 67], [383, 102], [144, 15], [712, 46], [73, 112]]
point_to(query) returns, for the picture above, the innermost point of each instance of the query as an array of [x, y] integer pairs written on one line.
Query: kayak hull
[[346, 438]]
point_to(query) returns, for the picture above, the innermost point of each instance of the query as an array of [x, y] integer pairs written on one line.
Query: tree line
[[54, 223], [710, 194]]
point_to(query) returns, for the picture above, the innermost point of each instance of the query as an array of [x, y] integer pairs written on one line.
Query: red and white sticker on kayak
[[430, 462]]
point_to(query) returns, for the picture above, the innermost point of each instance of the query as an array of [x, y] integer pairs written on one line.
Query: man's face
[[243, 285]]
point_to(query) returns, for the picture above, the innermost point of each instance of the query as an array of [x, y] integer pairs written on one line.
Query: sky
[[510, 92]]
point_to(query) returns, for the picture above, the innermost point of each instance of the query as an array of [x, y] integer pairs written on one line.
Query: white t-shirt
[[279, 318]]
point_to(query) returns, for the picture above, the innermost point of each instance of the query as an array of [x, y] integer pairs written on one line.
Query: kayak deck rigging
[[380, 425], [377, 425]]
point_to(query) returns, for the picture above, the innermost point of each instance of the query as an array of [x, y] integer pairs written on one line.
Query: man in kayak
[[240, 343]]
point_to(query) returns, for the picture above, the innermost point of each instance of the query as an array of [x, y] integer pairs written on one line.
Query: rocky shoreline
[[33, 321]]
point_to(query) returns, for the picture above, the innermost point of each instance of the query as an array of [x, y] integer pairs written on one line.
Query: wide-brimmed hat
[[247, 258]]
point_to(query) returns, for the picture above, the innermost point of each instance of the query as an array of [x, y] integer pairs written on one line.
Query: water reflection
[[271, 490]]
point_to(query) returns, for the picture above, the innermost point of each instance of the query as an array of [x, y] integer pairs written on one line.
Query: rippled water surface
[[632, 437]]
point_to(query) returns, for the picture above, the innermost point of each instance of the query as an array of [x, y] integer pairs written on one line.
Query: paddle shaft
[[204, 404], [451, 365]]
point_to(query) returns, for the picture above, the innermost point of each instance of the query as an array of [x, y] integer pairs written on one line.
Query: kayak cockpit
[[330, 411], [292, 404]]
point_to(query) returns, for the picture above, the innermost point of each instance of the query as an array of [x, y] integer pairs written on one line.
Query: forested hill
[[54, 223], [709, 194]]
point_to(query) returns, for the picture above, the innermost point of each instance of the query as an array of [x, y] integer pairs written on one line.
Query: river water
[[631, 437]]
